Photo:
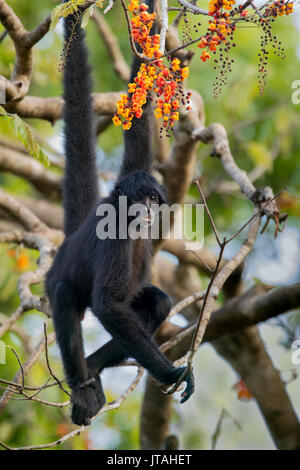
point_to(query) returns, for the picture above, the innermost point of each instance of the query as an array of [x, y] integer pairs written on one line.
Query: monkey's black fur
[[110, 276]]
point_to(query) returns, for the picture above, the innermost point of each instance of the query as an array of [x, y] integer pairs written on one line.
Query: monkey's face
[[148, 205], [145, 206], [144, 196]]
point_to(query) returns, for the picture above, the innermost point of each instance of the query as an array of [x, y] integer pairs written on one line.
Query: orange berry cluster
[[166, 89], [280, 8], [215, 6], [218, 30], [219, 38], [163, 80], [141, 24]]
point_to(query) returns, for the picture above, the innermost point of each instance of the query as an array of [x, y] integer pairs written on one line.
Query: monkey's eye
[[153, 197]]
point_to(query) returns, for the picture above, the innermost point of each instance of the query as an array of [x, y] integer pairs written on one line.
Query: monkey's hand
[[87, 399], [184, 374]]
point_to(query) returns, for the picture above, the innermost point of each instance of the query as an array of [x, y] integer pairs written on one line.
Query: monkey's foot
[[184, 374], [190, 386], [87, 399]]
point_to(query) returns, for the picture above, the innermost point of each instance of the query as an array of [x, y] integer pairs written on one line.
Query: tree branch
[[246, 352], [17, 87], [47, 182], [251, 308], [178, 169], [164, 24], [112, 46], [51, 109], [216, 134], [21, 213]]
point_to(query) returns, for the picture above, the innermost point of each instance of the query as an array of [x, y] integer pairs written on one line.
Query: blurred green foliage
[[263, 132]]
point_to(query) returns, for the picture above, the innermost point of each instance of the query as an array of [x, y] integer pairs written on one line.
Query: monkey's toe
[[190, 387]]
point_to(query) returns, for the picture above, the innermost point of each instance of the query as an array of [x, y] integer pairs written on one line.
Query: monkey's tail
[[80, 188]]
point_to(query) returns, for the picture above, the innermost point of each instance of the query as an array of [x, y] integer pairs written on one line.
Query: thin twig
[[48, 363], [185, 303], [3, 35], [192, 8], [208, 292], [27, 387], [202, 261], [132, 44], [216, 283], [224, 414], [20, 364], [209, 214], [110, 406]]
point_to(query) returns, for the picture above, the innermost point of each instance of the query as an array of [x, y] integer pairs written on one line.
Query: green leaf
[[64, 10], [25, 134], [55, 16], [86, 16]]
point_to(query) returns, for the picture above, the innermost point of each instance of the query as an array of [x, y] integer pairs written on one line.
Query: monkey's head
[[143, 189]]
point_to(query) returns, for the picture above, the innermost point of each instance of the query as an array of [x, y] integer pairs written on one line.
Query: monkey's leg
[[125, 326], [152, 306], [66, 315]]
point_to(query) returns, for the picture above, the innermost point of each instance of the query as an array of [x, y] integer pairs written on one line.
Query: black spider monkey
[[110, 276]]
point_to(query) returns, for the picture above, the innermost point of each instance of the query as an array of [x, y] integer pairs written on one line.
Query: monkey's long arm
[[80, 195], [80, 183], [138, 139]]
